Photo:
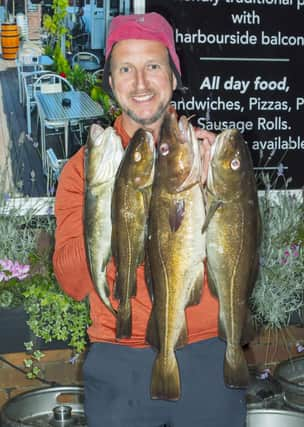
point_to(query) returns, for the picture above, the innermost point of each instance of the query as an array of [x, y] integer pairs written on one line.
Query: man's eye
[[153, 66], [124, 69]]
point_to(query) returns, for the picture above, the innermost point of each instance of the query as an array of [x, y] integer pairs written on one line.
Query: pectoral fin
[[148, 278], [152, 336], [183, 336], [195, 293], [176, 214], [211, 211]]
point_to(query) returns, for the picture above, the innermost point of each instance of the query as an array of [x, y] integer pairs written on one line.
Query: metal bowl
[[290, 375], [47, 407], [274, 418]]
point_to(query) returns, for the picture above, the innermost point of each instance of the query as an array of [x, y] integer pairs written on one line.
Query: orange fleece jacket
[[71, 269]]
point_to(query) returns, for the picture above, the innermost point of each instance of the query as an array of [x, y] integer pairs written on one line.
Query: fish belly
[[128, 241], [177, 265], [98, 231], [230, 255]]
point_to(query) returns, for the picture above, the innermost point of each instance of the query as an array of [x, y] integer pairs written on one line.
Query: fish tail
[[165, 383], [103, 291], [110, 307], [124, 320], [250, 330], [236, 374]]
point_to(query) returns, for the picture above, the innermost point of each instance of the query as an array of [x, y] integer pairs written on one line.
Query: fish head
[[104, 154], [139, 159], [230, 164], [178, 154]]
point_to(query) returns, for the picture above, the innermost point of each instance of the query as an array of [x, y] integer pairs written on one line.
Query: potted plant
[[278, 296], [32, 305], [56, 31]]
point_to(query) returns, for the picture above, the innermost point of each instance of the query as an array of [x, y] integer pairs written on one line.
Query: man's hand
[[207, 139]]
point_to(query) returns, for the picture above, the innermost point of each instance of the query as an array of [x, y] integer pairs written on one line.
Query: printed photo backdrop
[[243, 66]]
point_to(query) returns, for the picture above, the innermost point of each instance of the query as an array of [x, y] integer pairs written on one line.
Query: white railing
[[37, 206], [45, 205]]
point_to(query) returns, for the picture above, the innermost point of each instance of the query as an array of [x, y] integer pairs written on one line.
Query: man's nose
[[140, 79]]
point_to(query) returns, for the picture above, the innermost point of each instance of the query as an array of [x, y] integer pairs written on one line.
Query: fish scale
[[103, 155], [176, 250], [233, 235], [130, 204]]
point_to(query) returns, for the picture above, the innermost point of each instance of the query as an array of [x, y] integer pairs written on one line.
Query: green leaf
[[28, 363]]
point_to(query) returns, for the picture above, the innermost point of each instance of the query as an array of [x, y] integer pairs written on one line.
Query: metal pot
[[274, 418], [48, 407], [290, 375]]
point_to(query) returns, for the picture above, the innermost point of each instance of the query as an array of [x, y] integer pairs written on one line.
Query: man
[[142, 70]]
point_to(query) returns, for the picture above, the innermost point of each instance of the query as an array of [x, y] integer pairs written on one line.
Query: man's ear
[[110, 82]]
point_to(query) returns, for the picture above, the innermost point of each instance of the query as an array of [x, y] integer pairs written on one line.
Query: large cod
[[176, 250], [103, 155], [130, 207], [233, 233]]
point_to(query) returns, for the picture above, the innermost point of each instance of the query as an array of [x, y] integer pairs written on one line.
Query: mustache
[[142, 93]]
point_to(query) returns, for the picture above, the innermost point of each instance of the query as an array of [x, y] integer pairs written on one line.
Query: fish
[[175, 248], [103, 154], [233, 237], [130, 208]]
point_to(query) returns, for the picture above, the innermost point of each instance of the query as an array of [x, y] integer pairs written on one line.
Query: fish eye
[[235, 164], [137, 156], [164, 149]]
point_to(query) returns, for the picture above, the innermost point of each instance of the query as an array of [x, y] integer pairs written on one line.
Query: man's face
[[142, 80]]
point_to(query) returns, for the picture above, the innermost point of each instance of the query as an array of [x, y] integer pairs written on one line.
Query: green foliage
[[279, 290], [55, 24], [61, 65], [19, 233], [31, 362], [11, 293], [80, 79], [85, 81], [52, 314], [112, 111], [55, 27], [28, 239]]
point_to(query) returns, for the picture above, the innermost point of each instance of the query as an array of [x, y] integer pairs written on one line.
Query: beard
[[147, 121], [162, 108]]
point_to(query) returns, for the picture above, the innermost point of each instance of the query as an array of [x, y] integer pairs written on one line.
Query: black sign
[[243, 64]]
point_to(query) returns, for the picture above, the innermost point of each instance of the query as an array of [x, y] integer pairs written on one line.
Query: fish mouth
[[217, 146], [151, 142], [214, 152], [195, 172], [151, 145], [222, 151], [147, 175], [184, 128], [96, 134], [227, 137], [109, 158]]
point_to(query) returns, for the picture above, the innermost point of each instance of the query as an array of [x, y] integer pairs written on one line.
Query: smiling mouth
[[142, 98]]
